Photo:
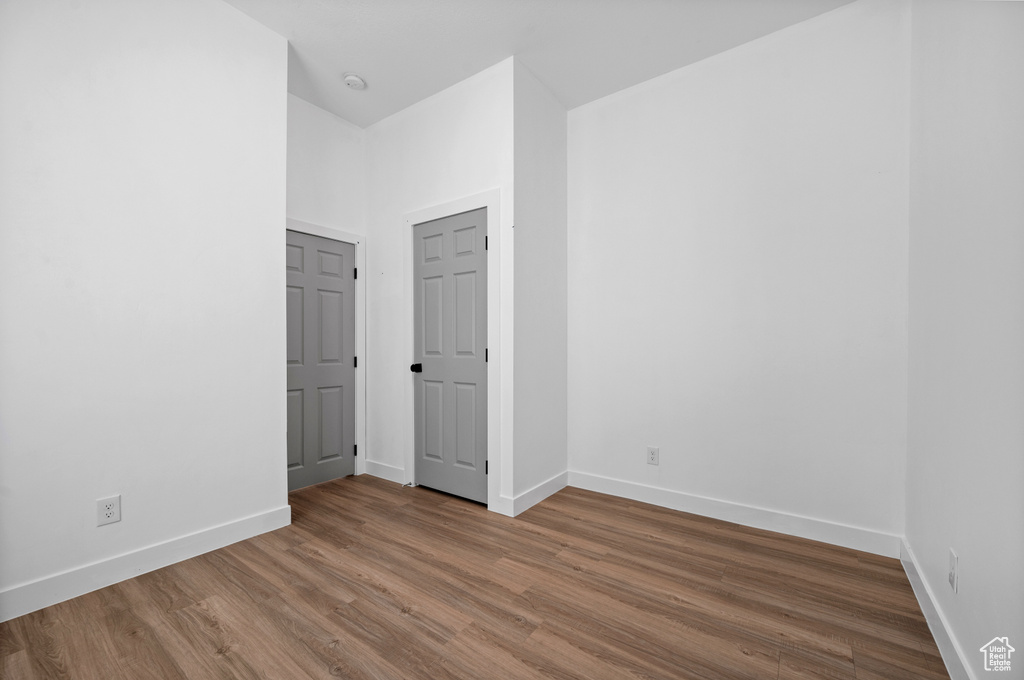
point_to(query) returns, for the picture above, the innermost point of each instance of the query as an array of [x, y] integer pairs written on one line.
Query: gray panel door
[[321, 359], [450, 268]]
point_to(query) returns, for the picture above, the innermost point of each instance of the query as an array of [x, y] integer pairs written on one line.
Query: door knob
[[416, 368]]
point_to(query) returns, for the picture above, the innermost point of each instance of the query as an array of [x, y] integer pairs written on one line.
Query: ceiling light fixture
[[354, 81]]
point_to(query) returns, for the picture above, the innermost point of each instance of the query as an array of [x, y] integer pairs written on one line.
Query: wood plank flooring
[[374, 580]]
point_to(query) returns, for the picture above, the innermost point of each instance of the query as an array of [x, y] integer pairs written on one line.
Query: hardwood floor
[[374, 580]]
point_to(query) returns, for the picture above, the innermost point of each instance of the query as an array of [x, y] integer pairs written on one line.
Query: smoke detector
[[354, 81]]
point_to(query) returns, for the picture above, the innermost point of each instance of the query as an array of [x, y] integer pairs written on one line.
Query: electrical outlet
[[108, 510], [653, 454], [954, 576]]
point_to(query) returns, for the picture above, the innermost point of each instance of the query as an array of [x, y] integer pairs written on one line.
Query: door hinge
[[486, 466], [355, 272], [485, 243], [355, 449], [355, 362], [485, 355]]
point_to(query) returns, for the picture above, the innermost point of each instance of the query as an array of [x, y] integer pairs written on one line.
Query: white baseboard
[[29, 597], [952, 652], [530, 498], [385, 471], [503, 505], [843, 535]]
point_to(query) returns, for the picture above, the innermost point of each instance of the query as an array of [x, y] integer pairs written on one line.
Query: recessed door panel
[[293, 258], [294, 323], [433, 308], [432, 248], [295, 415], [465, 313], [321, 348], [331, 422], [331, 264], [433, 419], [465, 241], [332, 330], [465, 425], [450, 274]]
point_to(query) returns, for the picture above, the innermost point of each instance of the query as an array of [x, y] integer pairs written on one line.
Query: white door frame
[[499, 343], [359, 241]]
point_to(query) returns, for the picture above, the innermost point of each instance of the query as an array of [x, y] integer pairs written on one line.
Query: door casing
[[499, 342]]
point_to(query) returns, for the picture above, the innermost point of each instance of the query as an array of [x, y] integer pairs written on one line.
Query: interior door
[[450, 269], [321, 359]]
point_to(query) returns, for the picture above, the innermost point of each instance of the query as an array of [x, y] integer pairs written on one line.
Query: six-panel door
[[450, 270], [321, 352]]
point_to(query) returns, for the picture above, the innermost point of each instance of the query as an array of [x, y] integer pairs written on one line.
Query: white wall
[[455, 144], [424, 161], [326, 168], [965, 464], [738, 282], [540, 275], [326, 191], [141, 288]]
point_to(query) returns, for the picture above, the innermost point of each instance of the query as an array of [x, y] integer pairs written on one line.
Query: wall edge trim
[[504, 505], [385, 471], [951, 651], [28, 597], [531, 497], [856, 538]]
